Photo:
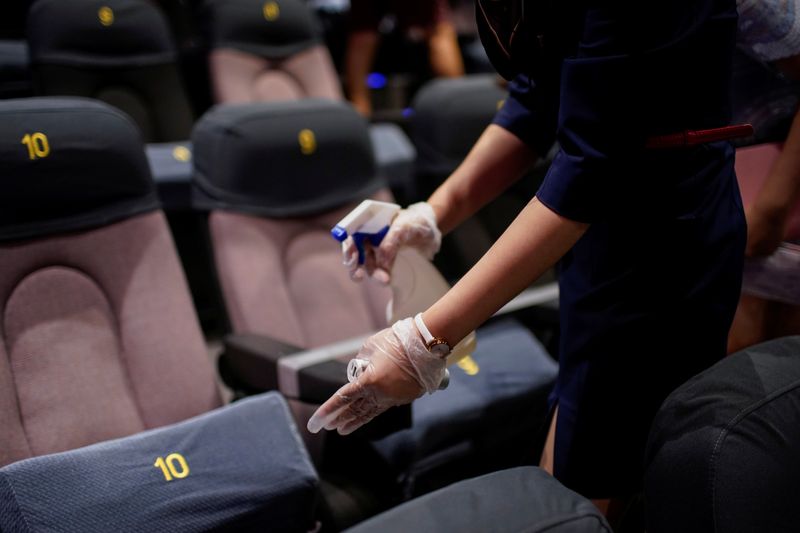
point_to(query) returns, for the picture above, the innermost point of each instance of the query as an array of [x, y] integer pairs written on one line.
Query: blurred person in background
[[766, 94], [426, 20]]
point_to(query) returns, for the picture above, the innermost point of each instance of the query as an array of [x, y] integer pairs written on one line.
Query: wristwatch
[[436, 345]]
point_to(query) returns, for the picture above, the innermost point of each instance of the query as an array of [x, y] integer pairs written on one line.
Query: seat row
[[100, 343], [121, 52], [97, 311]]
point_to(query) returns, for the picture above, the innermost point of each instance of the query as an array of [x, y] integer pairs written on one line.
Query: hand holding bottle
[[414, 226]]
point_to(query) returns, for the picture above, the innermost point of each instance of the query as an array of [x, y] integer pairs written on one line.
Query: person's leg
[[361, 48], [546, 462], [749, 323], [546, 459], [443, 51]]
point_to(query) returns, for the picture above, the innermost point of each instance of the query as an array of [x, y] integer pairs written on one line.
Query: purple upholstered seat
[[283, 278], [98, 337], [268, 51]]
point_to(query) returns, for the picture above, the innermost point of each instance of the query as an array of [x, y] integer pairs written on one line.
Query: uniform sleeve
[[530, 112], [636, 74]]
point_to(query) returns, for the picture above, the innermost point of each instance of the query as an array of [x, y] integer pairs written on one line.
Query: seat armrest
[[256, 363], [250, 361], [171, 167]]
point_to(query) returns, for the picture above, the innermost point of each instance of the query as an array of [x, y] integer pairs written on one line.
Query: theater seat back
[[268, 51], [117, 51], [449, 117], [99, 338], [722, 454], [277, 177]]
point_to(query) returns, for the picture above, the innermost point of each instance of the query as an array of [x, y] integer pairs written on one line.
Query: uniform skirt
[[647, 298]]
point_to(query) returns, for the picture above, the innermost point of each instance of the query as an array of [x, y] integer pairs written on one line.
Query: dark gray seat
[[524, 499], [723, 452], [15, 75], [449, 117], [118, 51]]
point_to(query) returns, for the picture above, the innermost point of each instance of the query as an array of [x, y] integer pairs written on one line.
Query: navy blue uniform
[[648, 293]]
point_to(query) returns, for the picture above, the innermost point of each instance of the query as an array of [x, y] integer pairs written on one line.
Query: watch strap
[[430, 341]]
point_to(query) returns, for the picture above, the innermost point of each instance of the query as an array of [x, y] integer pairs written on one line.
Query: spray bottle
[[416, 284]]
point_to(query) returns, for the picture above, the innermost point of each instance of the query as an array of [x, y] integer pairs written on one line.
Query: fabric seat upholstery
[[99, 337], [268, 52]]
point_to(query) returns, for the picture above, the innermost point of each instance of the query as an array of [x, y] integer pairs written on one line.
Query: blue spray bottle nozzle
[[369, 222]]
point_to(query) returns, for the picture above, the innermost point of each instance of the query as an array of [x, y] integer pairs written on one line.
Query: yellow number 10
[[37, 145], [169, 469]]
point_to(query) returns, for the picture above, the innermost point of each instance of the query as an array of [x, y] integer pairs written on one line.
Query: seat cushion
[[524, 499], [99, 339], [284, 279], [241, 467]]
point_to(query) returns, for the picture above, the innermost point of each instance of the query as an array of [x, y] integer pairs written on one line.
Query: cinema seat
[[722, 453], [117, 51], [15, 75], [270, 51], [102, 360], [509, 501], [277, 177], [449, 115]]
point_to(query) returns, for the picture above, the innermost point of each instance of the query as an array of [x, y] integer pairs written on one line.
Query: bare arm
[[496, 161], [361, 48], [767, 216], [536, 239]]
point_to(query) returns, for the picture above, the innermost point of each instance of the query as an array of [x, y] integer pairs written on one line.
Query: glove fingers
[[369, 258], [381, 276], [350, 260], [355, 424], [359, 413], [344, 419], [387, 251], [330, 410]]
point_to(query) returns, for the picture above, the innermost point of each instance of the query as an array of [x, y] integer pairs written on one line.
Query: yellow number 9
[[308, 142], [106, 16], [181, 153], [272, 11]]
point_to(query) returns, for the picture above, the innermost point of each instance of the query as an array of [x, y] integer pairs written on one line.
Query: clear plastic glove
[[400, 369], [414, 226]]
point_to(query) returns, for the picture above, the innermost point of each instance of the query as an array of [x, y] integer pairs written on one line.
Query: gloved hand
[[400, 369], [414, 226]]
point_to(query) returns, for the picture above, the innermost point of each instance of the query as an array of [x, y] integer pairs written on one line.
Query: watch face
[[441, 350]]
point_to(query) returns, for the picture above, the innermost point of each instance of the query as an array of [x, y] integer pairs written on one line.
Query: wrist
[[426, 368], [437, 346]]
